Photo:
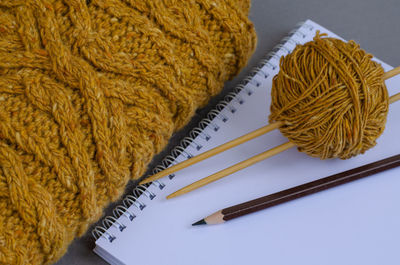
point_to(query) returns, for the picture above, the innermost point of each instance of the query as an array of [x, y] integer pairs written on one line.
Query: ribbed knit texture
[[90, 91]]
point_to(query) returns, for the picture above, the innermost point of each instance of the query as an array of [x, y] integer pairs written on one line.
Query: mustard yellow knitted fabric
[[90, 91]]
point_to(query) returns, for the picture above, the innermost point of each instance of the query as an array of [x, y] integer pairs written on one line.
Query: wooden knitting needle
[[257, 158], [230, 170], [394, 98], [233, 143], [214, 151], [391, 73]]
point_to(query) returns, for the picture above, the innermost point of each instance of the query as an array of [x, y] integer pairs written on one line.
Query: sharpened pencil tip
[[201, 222]]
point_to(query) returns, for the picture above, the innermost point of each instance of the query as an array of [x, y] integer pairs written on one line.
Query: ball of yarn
[[90, 91], [330, 97]]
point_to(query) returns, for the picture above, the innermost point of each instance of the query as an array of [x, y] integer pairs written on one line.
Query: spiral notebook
[[356, 223]]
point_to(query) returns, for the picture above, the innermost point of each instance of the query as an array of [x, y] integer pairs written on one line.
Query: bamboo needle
[[391, 73], [214, 151], [257, 158], [227, 171], [394, 98]]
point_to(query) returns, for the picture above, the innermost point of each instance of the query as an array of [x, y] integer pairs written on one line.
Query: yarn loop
[[331, 97]]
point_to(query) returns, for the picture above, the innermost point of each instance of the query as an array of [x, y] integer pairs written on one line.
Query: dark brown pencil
[[300, 191]]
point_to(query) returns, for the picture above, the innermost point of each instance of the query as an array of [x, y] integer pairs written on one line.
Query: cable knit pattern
[[90, 91]]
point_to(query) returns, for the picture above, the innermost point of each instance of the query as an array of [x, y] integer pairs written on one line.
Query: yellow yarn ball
[[331, 98]]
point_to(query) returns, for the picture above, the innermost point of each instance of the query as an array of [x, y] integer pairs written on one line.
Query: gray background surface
[[373, 24]]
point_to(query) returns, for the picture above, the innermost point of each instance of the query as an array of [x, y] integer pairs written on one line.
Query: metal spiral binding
[[132, 199]]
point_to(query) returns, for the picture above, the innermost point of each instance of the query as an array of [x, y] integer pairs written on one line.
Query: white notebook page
[[355, 223]]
